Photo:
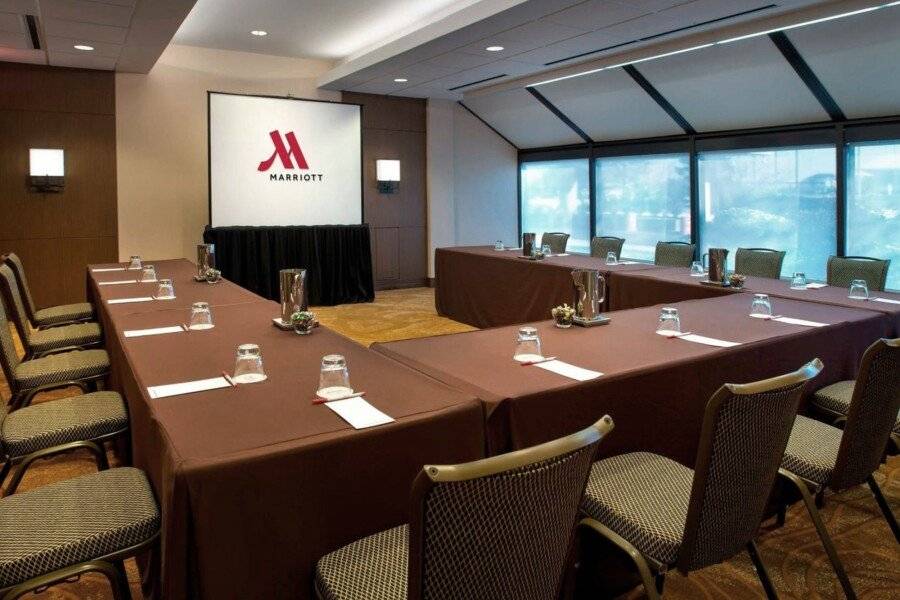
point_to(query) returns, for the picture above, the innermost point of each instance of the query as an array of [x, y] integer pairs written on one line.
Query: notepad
[[107, 269], [563, 254], [627, 262], [700, 339], [566, 370], [120, 282], [803, 322], [154, 331], [359, 413], [128, 300], [816, 286], [886, 300], [188, 387]]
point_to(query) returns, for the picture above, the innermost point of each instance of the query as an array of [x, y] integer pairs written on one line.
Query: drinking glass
[[135, 262], [334, 378], [669, 322], [498, 245], [697, 269], [611, 258], [166, 290], [545, 249], [761, 306], [798, 282], [528, 345], [201, 316], [248, 365], [148, 274], [859, 290]]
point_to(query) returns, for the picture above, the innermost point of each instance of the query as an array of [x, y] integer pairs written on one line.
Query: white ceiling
[[127, 35]]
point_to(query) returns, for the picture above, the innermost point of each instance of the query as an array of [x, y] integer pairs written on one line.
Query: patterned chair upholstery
[[820, 456], [83, 368], [674, 254], [523, 505], [68, 528], [601, 246], [51, 316], [38, 342], [58, 426], [844, 269], [663, 514], [759, 262], [556, 241]]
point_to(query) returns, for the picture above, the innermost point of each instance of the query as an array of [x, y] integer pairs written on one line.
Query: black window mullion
[[841, 191]]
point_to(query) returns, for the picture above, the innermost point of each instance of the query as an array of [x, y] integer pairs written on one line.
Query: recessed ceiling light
[[259, 32], [84, 47], [494, 48], [401, 80]]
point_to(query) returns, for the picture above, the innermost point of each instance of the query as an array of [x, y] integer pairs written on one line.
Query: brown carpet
[[793, 553]]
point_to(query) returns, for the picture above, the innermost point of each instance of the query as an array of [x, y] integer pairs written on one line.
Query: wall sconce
[[47, 169], [387, 172]]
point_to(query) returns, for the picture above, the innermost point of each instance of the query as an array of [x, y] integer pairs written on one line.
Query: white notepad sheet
[[130, 300], [571, 371], [359, 413], [803, 322], [886, 300], [816, 286], [154, 331], [700, 339], [120, 282], [107, 269], [187, 387]]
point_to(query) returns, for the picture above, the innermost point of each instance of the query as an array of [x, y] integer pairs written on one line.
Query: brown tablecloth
[[255, 482], [655, 388], [488, 288]]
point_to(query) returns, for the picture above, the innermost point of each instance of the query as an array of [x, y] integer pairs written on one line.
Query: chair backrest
[[759, 262], [500, 527], [871, 415], [9, 358], [746, 428], [603, 245], [674, 254], [15, 263], [14, 303], [557, 241], [844, 269]]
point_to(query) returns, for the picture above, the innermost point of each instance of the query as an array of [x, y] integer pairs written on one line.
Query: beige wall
[[161, 129]]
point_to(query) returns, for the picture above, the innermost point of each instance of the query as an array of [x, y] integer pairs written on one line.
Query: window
[[556, 197], [644, 199], [873, 203], [771, 198]]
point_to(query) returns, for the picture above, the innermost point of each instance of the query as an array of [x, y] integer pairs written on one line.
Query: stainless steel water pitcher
[[590, 292], [718, 259], [293, 292], [528, 240], [206, 258]]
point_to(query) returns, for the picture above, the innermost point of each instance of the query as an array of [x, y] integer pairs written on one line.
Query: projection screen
[[284, 161]]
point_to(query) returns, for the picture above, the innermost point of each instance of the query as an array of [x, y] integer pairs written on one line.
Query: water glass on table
[[135, 262], [611, 258], [528, 345], [545, 250], [859, 290], [166, 290], [798, 281], [498, 245], [761, 306], [697, 269], [248, 364], [334, 378], [148, 274], [669, 323], [201, 316]]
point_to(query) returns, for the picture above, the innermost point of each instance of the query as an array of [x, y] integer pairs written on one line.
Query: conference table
[[655, 388], [255, 482]]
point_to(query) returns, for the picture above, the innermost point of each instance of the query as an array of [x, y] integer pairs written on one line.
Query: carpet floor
[[793, 553]]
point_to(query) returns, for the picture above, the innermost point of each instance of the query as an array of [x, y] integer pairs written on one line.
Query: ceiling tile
[[85, 31], [523, 38], [10, 23], [460, 60], [81, 61], [18, 41], [19, 7], [573, 47], [86, 12], [35, 57], [58, 44], [597, 14]]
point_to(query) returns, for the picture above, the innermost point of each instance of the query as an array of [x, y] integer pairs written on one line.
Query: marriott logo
[[291, 157]]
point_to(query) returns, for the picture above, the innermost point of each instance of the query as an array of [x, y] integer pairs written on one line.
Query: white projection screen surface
[[283, 161]]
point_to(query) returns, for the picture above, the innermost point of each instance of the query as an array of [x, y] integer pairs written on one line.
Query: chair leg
[[836, 563], [761, 571], [820, 499], [660, 583], [781, 517], [650, 582], [7, 465], [882, 504], [124, 589]]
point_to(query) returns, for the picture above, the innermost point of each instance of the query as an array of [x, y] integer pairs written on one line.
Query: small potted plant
[[736, 280], [212, 276], [303, 322], [563, 316]]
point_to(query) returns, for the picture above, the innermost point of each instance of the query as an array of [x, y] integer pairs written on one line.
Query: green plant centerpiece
[[303, 322], [563, 315], [736, 280], [212, 276]]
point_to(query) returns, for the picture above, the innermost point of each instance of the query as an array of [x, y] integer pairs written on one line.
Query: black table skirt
[[337, 259]]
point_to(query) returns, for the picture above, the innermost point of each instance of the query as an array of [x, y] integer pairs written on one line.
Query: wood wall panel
[[58, 234], [394, 128]]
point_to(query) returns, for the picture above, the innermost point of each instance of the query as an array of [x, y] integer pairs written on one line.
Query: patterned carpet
[[793, 553]]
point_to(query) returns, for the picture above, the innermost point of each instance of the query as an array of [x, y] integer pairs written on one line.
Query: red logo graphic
[[283, 153]]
